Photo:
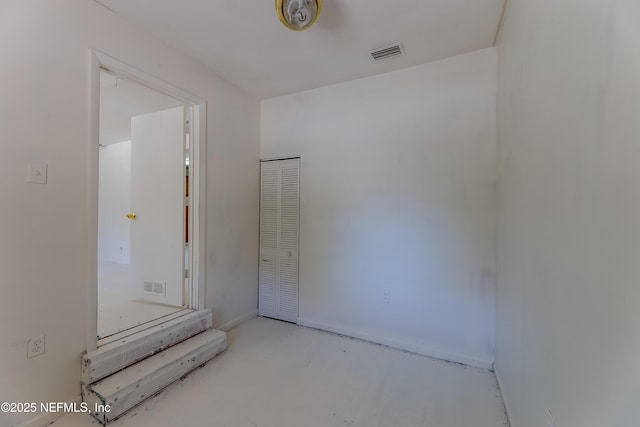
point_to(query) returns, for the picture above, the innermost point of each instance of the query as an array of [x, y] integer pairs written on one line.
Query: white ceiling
[[244, 42]]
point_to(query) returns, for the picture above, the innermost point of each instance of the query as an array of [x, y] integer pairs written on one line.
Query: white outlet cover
[[35, 346], [551, 422], [37, 173]]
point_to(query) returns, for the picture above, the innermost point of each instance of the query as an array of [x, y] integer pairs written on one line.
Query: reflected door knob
[[131, 216]]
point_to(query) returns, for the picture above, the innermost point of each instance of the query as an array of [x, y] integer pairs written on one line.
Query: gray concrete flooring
[[276, 374]]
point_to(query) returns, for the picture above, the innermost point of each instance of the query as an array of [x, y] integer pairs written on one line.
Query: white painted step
[[117, 355], [128, 388]]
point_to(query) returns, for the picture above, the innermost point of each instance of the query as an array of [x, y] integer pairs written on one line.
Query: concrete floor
[[278, 374]]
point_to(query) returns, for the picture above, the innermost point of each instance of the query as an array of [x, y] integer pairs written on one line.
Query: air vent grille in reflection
[[387, 52], [154, 288]]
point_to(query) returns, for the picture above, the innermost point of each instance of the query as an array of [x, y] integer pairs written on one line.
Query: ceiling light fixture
[[298, 15]]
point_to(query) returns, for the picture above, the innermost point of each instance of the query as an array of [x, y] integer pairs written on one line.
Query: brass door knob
[[131, 215]]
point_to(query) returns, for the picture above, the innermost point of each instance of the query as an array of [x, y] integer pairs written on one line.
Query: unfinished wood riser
[[133, 385], [116, 356]]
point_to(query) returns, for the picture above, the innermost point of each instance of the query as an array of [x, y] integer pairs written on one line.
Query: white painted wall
[[114, 200], [122, 99], [568, 306], [44, 64], [398, 181]]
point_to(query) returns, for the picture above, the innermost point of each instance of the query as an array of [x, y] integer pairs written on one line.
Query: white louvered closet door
[[279, 224]]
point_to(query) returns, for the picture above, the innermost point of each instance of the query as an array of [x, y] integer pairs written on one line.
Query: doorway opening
[[147, 180]]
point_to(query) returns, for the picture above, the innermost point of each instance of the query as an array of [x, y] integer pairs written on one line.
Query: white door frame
[[197, 182]]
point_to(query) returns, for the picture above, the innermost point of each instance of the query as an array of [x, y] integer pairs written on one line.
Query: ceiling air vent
[[387, 52]]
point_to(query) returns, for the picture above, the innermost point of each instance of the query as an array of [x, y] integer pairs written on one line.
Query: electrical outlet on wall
[[387, 296], [551, 422], [35, 346]]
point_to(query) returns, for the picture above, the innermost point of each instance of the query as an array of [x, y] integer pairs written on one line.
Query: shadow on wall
[[399, 267]]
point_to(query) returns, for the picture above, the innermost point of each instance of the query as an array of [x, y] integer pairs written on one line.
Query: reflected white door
[[157, 199]]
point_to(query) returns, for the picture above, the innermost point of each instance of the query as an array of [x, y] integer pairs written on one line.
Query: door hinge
[[186, 273], [187, 126]]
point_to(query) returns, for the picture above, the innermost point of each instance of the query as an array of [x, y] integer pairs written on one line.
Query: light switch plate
[[37, 173]]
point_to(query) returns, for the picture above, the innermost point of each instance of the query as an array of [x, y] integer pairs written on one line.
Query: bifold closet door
[[279, 224]]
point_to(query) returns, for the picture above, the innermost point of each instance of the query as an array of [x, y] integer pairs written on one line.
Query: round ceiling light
[[298, 15]]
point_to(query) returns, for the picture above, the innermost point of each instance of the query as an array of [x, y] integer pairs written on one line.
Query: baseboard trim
[[504, 397], [45, 419], [238, 320], [421, 349]]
